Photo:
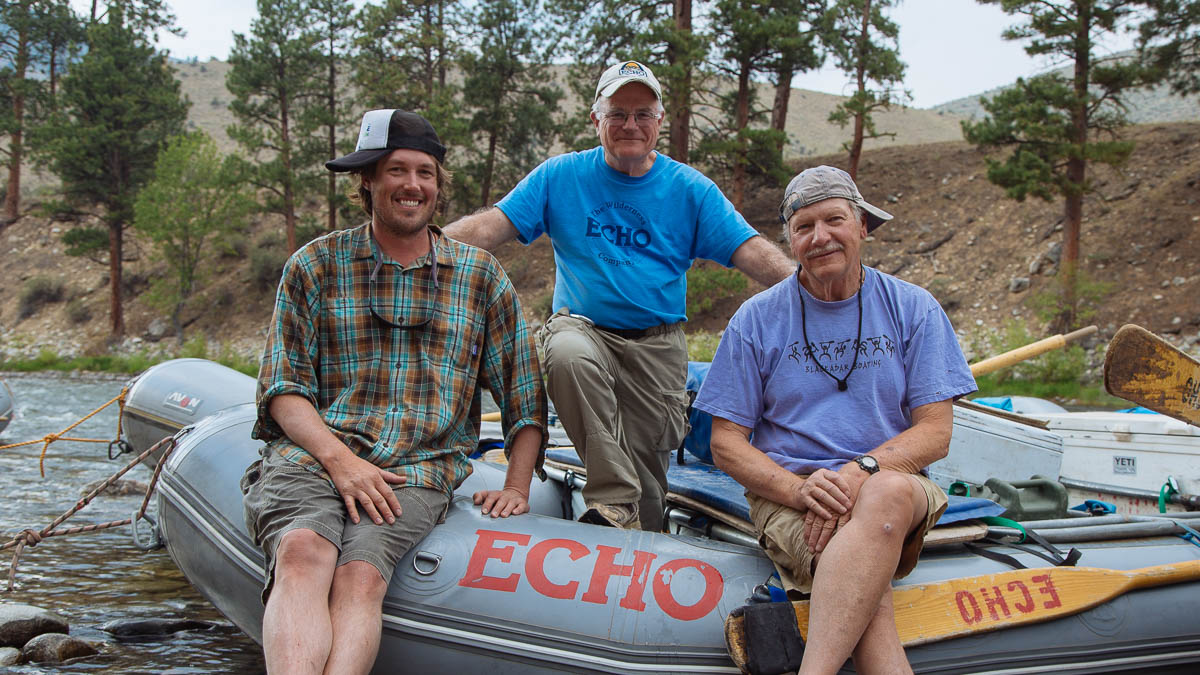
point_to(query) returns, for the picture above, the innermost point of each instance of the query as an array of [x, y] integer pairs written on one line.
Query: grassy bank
[[132, 363]]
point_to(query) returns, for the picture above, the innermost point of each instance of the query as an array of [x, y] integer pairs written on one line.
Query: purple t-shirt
[[765, 377]]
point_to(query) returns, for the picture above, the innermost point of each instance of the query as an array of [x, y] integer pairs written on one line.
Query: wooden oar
[[958, 607], [1143, 368], [1029, 351]]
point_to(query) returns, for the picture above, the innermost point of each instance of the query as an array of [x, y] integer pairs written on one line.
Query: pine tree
[[864, 44], [512, 98], [274, 78], [1170, 43], [33, 36], [796, 51], [404, 55], [1053, 124], [120, 105], [332, 20], [749, 38], [658, 33]]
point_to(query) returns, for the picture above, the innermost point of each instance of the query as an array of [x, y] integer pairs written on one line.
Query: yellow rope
[[50, 438]]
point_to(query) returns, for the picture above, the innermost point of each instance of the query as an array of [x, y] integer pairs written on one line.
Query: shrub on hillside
[[266, 263], [707, 284], [37, 293], [78, 312]]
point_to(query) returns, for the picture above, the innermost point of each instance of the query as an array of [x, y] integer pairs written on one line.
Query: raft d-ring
[[154, 542], [426, 557], [122, 447]]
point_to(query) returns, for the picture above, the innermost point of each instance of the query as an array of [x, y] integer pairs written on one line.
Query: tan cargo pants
[[622, 403]]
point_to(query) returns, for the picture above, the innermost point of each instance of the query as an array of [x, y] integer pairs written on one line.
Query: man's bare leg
[[356, 609], [296, 627], [879, 650], [856, 569]]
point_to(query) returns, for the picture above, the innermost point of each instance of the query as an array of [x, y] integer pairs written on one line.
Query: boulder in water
[[56, 648], [9, 656], [134, 628], [21, 623]]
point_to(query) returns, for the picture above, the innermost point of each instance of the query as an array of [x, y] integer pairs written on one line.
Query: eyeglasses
[[420, 314], [642, 117]]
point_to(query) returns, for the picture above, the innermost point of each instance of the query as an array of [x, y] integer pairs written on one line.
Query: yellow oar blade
[[960, 607], [1143, 368]]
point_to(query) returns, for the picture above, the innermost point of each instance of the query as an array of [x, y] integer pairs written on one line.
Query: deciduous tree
[[195, 196]]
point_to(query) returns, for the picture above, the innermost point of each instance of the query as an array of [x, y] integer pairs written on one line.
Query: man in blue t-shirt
[[626, 222], [830, 393]]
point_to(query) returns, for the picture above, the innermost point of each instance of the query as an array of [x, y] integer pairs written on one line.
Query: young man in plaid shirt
[[368, 398]]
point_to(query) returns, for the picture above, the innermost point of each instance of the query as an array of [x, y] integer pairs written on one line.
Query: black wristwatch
[[867, 463]]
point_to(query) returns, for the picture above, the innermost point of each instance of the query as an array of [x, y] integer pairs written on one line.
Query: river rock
[[150, 627], [9, 656], [55, 648], [21, 623], [1018, 284], [120, 488]]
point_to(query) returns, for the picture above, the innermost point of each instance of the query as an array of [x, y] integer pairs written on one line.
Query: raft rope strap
[[30, 537], [50, 438], [1048, 553]]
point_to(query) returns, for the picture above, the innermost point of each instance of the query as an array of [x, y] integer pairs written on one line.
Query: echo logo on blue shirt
[[618, 235]]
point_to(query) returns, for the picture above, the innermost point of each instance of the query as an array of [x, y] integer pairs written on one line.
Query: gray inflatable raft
[[6, 405], [542, 593]]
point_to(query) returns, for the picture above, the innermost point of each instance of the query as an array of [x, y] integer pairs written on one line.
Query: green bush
[[706, 284], [1057, 366], [37, 293], [266, 263], [702, 345], [78, 312]]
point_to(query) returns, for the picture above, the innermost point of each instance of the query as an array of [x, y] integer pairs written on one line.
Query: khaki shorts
[[781, 534], [280, 496]]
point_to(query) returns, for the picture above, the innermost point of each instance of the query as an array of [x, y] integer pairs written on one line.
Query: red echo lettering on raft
[[500, 546]]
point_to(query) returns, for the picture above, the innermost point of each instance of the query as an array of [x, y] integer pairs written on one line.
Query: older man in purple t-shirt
[[831, 392]]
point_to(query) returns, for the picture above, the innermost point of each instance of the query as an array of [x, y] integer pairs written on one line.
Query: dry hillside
[[954, 233], [983, 255]]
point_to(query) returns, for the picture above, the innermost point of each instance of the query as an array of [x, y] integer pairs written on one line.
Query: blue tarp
[[709, 485]]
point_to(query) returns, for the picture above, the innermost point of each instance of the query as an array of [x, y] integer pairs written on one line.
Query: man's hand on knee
[[361, 482]]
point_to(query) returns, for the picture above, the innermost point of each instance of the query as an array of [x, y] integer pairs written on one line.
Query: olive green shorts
[[781, 534], [280, 496]]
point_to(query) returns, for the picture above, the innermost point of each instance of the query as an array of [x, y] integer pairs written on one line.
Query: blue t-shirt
[[765, 377], [623, 245]]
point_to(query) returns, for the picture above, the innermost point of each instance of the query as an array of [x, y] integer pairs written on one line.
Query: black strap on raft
[[688, 414], [119, 447], [569, 482], [773, 641], [1048, 552]]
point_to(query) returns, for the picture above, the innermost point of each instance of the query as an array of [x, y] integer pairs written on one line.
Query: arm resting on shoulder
[[750, 467], [922, 444], [762, 261], [355, 479], [486, 229]]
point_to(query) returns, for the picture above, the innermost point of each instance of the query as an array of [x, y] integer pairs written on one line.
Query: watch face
[[868, 463]]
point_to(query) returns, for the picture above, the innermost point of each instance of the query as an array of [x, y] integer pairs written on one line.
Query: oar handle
[[1161, 575], [1029, 351]]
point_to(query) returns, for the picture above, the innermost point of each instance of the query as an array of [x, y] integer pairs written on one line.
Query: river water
[[93, 578]]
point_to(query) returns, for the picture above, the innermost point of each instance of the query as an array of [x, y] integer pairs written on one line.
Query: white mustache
[[827, 249]]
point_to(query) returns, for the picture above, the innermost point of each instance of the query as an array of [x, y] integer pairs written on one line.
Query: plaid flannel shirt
[[404, 397]]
